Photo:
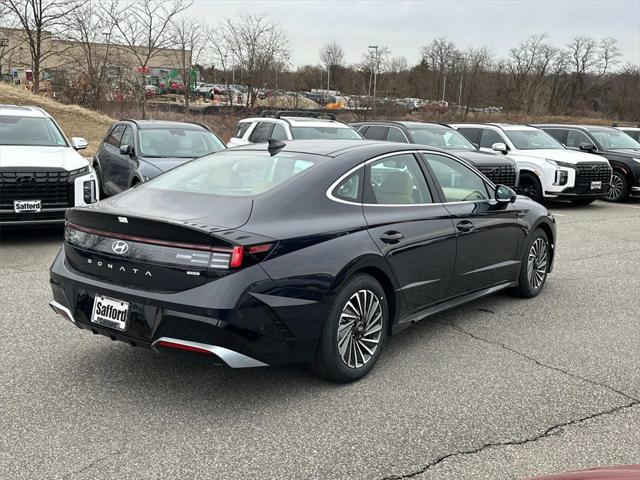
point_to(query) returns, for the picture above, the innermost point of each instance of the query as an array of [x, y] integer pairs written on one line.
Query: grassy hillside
[[75, 121]]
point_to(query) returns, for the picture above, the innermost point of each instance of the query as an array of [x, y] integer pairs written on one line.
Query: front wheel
[[619, 188], [530, 186], [535, 266], [352, 337]]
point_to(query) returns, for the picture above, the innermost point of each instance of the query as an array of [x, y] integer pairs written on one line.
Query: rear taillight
[[236, 257], [247, 256]]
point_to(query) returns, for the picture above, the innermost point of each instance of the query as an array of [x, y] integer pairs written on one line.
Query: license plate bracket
[[110, 312]]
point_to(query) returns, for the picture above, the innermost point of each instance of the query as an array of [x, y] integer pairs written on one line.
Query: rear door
[[487, 231], [414, 233], [109, 159], [123, 165]]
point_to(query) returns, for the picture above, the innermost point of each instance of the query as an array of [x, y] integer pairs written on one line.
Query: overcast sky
[[405, 25]]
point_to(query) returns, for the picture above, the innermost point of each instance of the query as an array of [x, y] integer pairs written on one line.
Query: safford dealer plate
[[596, 185], [27, 206], [110, 313]]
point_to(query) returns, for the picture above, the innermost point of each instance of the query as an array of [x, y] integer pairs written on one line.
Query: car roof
[[332, 148], [402, 123], [23, 111], [501, 126], [586, 128], [144, 124], [299, 121]]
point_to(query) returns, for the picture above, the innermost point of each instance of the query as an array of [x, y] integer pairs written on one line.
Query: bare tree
[[189, 42], [40, 20], [477, 61], [397, 65], [331, 56], [256, 45], [144, 29]]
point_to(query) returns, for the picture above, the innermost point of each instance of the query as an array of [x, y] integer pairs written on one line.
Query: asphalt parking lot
[[502, 388]]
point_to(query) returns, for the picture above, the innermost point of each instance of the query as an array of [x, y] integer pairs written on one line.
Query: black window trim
[[424, 167]]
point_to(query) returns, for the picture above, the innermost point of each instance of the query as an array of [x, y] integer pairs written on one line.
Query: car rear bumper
[[242, 328]]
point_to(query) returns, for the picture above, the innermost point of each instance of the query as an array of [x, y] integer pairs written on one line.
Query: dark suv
[[499, 169], [136, 150], [622, 151]]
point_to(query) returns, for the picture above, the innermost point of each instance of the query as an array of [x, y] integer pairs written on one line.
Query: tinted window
[[349, 189], [575, 138], [376, 133], [532, 140], [115, 136], [445, 138], [489, 137], [261, 133], [177, 142], [43, 132], [472, 134], [396, 135], [242, 129], [459, 183], [279, 132], [127, 137], [325, 133], [240, 173], [397, 180], [558, 133]]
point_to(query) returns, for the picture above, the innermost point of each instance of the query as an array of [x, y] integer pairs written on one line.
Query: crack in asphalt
[[600, 255], [553, 430], [92, 464]]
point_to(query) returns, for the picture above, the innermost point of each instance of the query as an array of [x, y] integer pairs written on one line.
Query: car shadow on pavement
[[31, 235]]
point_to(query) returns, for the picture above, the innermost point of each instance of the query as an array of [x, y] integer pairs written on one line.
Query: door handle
[[391, 236], [465, 226]]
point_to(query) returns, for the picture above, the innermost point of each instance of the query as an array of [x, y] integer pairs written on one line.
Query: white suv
[[547, 169], [284, 127], [41, 173]]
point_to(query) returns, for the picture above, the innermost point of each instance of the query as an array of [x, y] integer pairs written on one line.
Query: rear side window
[[397, 180], [557, 133], [235, 173], [376, 133], [472, 134], [241, 129], [279, 132], [115, 135], [489, 137], [261, 133], [350, 188], [396, 135]]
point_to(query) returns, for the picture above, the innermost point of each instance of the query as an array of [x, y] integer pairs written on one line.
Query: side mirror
[[79, 143], [500, 147], [126, 149], [476, 145], [587, 147], [505, 194]]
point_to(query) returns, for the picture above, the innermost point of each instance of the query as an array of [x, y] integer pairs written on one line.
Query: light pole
[[375, 71]]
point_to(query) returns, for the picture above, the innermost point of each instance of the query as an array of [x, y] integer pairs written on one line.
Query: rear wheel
[[619, 187], [530, 186], [534, 266], [352, 337]]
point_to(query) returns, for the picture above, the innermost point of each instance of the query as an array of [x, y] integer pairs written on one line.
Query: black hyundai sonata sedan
[[306, 252]]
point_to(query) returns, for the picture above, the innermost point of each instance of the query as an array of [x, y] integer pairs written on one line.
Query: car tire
[[530, 186], [583, 201], [535, 266], [619, 189], [353, 335]]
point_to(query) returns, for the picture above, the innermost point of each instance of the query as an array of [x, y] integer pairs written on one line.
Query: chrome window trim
[[335, 184]]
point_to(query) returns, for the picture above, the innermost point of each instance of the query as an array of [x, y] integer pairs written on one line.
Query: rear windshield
[[177, 142], [237, 173], [328, 133], [37, 131], [533, 140]]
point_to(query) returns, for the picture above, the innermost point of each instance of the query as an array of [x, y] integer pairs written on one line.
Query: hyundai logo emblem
[[120, 247], [25, 179]]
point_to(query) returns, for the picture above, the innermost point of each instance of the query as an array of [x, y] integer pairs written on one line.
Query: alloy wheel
[[360, 328], [616, 189], [537, 263]]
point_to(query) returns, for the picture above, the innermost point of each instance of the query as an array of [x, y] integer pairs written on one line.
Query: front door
[[415, 235], [487, 231]]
